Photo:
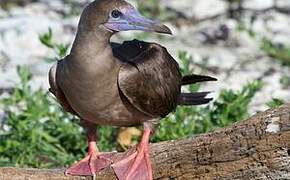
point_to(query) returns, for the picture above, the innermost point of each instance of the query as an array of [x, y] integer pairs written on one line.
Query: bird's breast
[[95, 96]]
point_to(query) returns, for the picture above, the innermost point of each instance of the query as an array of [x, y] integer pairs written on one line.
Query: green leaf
[[46, 39], [275, 103]]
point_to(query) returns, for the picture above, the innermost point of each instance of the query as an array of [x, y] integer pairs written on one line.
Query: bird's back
[[150, 77]]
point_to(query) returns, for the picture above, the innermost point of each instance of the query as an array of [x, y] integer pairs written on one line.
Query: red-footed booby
[[134, 83]]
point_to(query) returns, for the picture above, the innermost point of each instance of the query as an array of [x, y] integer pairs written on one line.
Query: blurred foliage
[[151, 8], [39, 134], [72, 7], [277, 51], [7, 4], [154, 10], [75, 7], [285, 82], [59, 48], [275, 103]]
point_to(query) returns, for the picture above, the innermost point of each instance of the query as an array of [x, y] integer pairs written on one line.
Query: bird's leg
[[94, 161], [136, 164]]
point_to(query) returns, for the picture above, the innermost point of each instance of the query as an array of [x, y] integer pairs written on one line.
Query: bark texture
[[258, 148]]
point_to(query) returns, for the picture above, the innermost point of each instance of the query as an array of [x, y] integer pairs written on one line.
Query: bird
[[128, 84]]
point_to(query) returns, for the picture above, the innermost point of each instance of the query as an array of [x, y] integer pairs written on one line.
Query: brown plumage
[[119, 84], [151, 79]]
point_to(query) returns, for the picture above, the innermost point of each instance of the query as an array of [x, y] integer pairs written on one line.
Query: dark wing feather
[[149, 78]]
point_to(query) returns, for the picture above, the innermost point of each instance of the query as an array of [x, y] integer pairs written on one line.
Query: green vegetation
[[59, 48], [150, 8], [7, 4], [277, 51], [275, 103], [38, 133], [285, 81]]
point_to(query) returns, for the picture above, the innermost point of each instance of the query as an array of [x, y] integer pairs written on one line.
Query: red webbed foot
[[136, 165], [93, 163]]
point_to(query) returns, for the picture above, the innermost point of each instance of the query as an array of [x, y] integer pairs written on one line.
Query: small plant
[[277, 51], [47, 40], [275, 103]]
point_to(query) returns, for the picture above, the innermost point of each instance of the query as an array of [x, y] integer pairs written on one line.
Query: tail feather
[[191, 79], [198, 98]]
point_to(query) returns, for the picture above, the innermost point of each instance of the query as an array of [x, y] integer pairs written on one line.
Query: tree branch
[[257, 148]]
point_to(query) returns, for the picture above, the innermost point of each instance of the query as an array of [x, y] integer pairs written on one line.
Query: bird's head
[[118, 15]]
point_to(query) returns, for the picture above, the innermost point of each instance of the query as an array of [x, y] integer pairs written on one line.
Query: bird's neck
[[92, 53], [90, 44]]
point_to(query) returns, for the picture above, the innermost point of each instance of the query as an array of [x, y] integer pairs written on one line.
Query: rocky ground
[[209, 30]]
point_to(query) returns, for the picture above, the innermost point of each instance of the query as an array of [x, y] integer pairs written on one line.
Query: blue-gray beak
[[131, 19]]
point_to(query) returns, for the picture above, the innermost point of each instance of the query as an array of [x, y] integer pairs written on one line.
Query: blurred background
[[244, 43]]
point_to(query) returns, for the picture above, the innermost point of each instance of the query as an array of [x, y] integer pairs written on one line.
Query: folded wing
[[151, 81], [150, 78]]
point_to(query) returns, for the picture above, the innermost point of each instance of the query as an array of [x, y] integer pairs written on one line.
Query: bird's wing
[[55, 89], [149, 77]]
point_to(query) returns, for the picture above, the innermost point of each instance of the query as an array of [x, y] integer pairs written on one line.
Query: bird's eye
[[116, 14]]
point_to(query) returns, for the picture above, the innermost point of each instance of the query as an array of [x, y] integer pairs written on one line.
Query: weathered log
[[258, 148]]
